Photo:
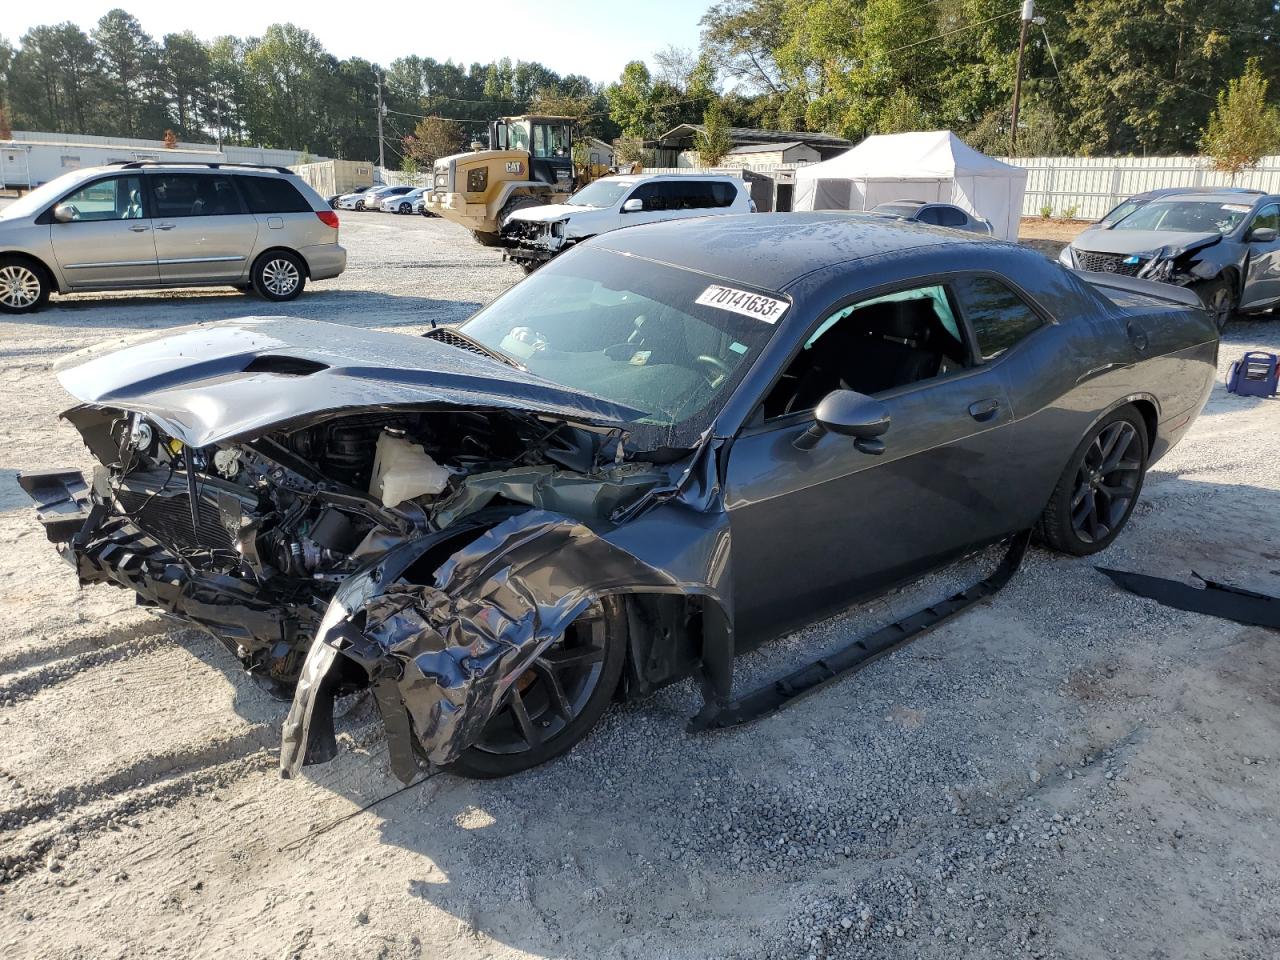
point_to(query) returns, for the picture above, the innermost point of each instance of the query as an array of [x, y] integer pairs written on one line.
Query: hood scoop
[[285, 366]]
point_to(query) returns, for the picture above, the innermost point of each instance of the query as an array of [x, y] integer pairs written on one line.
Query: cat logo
[[514, 166]]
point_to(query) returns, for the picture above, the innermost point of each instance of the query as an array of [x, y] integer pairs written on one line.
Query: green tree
[[184, 71], [1136, 75], [128, 56], [288, 70], [713, 141], [433, 138], [1245, 127]]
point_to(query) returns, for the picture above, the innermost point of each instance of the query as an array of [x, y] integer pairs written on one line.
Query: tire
[[24, 285], [1085, 513], [487, 239], [1219, 298], [587, 689], [406, 208], [279, 275], [358, 205]]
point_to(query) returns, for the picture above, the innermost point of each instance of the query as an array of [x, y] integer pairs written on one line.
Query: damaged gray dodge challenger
[[664, 447]]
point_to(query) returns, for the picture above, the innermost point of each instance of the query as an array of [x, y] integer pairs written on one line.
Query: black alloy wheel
[[1100, 486], [1107, 482], [554, 703]]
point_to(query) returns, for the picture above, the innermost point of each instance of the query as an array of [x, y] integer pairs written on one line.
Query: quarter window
[[119, 198], [273, 195], [194, 195], [952, 217], [999, 317]]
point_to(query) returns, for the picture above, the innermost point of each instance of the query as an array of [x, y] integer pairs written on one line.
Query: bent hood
[[1140, 241], [237, 379], [551, 212]]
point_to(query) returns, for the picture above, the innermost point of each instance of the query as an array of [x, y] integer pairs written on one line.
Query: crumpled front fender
[[440, 657]]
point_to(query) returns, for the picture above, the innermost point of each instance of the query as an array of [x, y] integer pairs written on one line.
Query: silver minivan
[[148, 224]]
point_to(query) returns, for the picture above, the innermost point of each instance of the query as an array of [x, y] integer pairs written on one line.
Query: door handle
[[984, 410], [165, 226], [139, 229]]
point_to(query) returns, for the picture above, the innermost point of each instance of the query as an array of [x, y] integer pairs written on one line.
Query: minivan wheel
[[23, 286], [1099, 488], [279, 275], [554, 704]]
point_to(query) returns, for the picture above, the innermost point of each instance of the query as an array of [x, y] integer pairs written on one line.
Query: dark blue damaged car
[[670, 444]]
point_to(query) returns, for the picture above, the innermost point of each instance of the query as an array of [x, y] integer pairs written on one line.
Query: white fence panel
[[1093, 185]]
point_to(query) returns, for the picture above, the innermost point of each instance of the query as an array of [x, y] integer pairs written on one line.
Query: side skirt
[[811, 677]]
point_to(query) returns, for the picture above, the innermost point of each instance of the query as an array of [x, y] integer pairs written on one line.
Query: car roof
[[1178, 191], [185, 166], [633, 178], [1210, 196], [770, 250]]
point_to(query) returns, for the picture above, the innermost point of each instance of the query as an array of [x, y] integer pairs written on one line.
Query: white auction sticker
[[744, 302]]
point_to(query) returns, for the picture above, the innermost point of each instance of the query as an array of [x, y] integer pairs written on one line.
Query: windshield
[[28, 204], [632, 331], [602, 193], [1120, 211], [1187, 216]]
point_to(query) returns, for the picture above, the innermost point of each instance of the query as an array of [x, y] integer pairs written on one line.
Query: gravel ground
[[1067, 771]]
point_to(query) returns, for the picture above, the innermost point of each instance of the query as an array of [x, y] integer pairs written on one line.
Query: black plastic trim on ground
[[1215, 600], [814, 676]]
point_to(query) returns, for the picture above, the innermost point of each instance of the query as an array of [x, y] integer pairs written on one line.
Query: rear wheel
[[24, 287], [279, 275], [1218, 297], [557, 700], [406, 208], [1100, 486]]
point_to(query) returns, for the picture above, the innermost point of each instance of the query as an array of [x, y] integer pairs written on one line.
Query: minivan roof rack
[[216, 165]]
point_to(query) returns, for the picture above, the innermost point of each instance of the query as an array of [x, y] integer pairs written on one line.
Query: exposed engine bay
[[250, 540]]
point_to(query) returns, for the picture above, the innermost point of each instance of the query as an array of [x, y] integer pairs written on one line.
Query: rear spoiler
[[1147, 288]]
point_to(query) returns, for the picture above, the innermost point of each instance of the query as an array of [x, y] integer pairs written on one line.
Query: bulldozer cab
[[547, 140]]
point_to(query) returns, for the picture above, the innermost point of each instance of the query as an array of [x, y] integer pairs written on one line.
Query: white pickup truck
[[536, 234]]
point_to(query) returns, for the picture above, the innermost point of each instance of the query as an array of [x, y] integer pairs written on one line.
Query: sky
[[592, 37]]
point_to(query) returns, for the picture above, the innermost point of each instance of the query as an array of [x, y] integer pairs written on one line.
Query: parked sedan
[[402, 202], [333, 200], [635, 462], [1224, 245], [938, 214]]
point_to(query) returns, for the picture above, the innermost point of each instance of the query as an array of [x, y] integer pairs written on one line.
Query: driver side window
[[119, 198], [874, 346], [1269, 217]]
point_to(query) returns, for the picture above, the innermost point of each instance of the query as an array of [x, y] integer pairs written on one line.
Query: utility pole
[[381, 109], [1028, 14]]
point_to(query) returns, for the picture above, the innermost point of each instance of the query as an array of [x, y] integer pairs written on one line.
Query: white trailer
[[28, 163]]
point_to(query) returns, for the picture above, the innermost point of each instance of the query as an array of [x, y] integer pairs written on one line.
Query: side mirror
[[64, 213], [1262, 235], [633, 206], [850, 414]]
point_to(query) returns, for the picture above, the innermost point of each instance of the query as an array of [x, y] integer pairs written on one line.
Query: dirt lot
[[1067, 771]]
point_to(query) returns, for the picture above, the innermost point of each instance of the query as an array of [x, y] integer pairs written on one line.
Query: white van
[[536, 234]]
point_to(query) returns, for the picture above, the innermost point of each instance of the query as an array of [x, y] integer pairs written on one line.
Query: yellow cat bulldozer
[[529, 162]]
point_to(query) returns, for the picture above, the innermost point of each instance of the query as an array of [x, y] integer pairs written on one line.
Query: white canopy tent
[[936, 166]]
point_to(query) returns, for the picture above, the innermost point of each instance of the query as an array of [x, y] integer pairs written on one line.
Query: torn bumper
[[107, 547]]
